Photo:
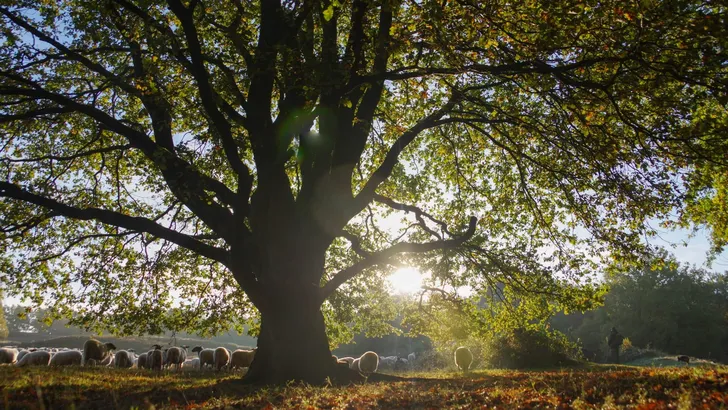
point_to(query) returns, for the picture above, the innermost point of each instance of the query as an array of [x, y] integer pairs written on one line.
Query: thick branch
[[207, 95], [139, 224], [392, 158], [355, 242], [383, 256]]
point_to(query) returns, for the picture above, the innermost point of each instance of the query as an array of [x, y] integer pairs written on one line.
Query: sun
[[406, 280]]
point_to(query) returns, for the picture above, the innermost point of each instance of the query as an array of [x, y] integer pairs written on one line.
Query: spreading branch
[[383, 256], [138, 224]]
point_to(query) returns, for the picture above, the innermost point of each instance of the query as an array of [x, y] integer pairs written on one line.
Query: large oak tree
[[231, 159]]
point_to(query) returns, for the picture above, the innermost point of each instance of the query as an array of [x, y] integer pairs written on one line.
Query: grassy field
[[589, 387]]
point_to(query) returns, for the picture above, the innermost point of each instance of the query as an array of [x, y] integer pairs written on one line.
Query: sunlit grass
[[586, 387]]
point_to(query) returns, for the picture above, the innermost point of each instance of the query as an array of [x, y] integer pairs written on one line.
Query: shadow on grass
[[593, 385]]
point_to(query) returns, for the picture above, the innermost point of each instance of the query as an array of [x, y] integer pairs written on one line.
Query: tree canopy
[[230, 160]]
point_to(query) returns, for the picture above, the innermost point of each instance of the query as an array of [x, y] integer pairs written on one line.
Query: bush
[[530, 348], [629, 353]]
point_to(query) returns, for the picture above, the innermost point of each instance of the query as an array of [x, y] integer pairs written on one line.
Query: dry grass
[[593, 387]]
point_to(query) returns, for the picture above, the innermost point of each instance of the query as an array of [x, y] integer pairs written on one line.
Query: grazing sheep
[[141, 361], [683, 358], [191, 363], [67, 358], [176, 356], [243, 358], [156, 359], [37, 358], [368, 362], [8, 355], [21, 354], [123, 359], [95, 351], [463, 358], [206, 356], [387, 361], [221, 357]]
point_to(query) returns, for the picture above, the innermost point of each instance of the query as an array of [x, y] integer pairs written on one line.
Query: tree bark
[[292, 345]]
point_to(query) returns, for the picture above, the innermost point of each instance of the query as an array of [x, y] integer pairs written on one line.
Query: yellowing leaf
[[329, 12]]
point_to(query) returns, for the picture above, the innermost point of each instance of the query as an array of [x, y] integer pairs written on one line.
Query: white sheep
[[37, 358], [347, 359], [355, 364], [124, 359], [21, 353], [191, 363], [95, 351], [221, 357], [411, 357], [387, 361], [176, 356], [8, 355], [463, 358], [368, 362], [206, 356], [66, 358], [242, 358]]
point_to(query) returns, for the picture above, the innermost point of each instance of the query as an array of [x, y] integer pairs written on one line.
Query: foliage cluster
[[33, 388], [531, 347]]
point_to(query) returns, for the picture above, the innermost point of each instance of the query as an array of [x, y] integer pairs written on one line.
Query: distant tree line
[[21, 319], [672, 308]]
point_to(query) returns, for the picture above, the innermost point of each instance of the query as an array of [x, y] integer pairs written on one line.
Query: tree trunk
[[293, 346]]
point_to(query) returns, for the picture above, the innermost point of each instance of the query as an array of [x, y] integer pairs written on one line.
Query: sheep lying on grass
[[37, 358], [206, 356], [95, 351], [221, 358], [242, 358], [463, 358], [368, 363], [8, 355], [67, 358]]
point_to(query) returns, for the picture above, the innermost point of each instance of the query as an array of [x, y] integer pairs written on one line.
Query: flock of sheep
[[96, 353], [370, 362]]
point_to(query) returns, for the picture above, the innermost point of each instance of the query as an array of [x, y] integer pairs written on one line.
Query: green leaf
[[329, 12]]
